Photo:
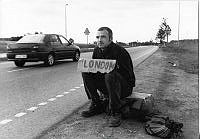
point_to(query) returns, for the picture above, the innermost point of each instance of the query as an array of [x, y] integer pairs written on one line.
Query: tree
[[15, 38], [164, 31]]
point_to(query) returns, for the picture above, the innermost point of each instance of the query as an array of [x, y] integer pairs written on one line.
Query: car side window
[[54, 40], [63, 40]]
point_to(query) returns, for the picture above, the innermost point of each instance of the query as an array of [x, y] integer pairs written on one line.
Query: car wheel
[[19, 63], [50, 60], [76, 56]]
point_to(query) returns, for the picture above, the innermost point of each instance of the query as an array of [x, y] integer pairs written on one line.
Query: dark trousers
[[112, 85]]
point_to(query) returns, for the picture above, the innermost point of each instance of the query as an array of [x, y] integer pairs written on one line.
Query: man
[[115, 85]]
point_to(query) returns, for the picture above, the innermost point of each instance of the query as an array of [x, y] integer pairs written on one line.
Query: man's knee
[[109, 77], [87, 75], [112, 77]]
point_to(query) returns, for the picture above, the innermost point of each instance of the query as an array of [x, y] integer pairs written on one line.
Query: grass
[[186, 55], [81, 45], [85, 47], [3, 45]]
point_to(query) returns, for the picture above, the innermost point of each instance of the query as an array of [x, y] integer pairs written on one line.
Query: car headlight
[[35, 47]]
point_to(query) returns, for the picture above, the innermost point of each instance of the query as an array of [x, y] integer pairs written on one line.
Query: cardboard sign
[[95, 65]]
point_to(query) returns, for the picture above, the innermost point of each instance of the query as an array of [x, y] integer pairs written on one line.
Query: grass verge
[[186, 56]]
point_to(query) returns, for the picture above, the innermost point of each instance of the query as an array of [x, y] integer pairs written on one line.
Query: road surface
[[35, 97]]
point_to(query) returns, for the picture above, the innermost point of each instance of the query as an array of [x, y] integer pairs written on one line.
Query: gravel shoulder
[[175, 92]]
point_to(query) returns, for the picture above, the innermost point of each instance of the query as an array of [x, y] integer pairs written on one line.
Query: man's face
[[103, 38]]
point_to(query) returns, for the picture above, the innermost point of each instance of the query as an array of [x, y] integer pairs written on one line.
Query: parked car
[[42, 47]]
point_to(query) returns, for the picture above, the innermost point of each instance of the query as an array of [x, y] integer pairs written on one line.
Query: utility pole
[[198, 21], [66, 20], [178, 21]]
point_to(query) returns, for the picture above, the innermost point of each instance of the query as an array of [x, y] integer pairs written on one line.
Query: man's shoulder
[[96, 48], [115, 46], [118, 47]]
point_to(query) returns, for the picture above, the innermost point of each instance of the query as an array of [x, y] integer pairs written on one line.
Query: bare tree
[[164, 31]]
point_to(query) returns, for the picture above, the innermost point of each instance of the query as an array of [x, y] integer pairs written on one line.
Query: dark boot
[[94, 109], [115, 120]]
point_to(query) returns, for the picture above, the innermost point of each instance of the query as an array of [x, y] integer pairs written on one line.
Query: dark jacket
[[124, 63]]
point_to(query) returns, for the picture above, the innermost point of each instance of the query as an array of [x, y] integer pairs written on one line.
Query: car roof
[[35, 38]]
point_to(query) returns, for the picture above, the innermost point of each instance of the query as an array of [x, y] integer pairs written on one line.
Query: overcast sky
[[130, 20]]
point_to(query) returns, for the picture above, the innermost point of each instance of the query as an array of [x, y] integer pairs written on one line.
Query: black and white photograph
[[99, 69]]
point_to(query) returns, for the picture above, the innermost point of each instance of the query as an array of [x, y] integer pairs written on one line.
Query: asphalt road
[[35, 97]]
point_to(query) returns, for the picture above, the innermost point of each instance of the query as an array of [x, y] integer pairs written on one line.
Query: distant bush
[[15, 38], [82, 45]]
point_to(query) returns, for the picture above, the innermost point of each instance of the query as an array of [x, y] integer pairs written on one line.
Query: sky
[[130, 20]]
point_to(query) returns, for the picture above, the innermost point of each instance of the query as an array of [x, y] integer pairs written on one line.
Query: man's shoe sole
[[115, 124]]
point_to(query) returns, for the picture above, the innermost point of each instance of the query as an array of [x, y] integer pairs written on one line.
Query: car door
[[68, 50], [58, 48]]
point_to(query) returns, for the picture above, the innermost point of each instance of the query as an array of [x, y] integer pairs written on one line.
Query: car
[[42, 47]]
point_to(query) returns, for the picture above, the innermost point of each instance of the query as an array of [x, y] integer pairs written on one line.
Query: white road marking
[[3, 55], [59, 96], [18, 70], [4, 63], [20, 114], [42, 104], [32, 108], [51, 99], [72, 89], [5, 121], [66, 93]]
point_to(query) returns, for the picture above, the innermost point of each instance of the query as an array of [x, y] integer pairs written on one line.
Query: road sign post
[[87, 32]]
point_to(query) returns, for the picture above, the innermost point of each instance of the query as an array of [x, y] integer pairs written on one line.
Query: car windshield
[[36, 38]]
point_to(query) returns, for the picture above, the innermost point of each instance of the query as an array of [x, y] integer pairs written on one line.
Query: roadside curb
[[3, 57]]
